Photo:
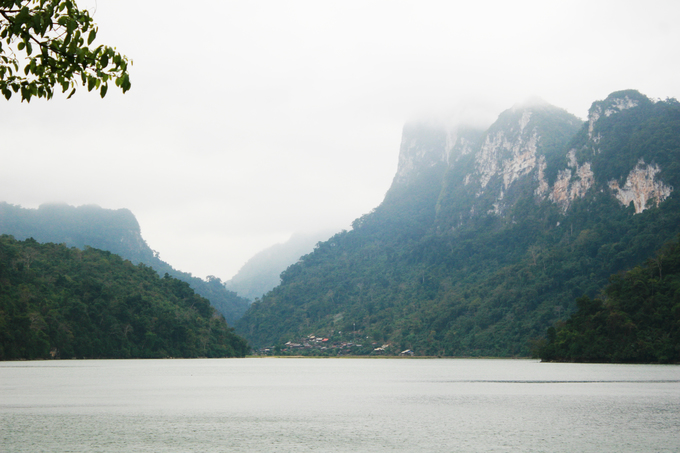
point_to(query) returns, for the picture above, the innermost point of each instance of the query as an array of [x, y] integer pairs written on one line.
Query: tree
[[48, 43]]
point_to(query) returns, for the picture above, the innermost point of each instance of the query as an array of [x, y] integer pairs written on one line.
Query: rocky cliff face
[[486, 171], [509, 153], [426, 146], [536, 146], [483, 242], [613, 104], [642, 186], [572, 182], [422, 147], [611, 141]]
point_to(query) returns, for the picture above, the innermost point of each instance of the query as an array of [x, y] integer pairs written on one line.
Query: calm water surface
[[337, 405]]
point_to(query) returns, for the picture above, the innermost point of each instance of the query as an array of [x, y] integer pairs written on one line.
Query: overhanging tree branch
[[63, 34]]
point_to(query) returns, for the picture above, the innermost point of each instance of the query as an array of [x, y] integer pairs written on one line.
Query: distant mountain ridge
[[487, 237], [116, 231], [261, 273], [87, 225]]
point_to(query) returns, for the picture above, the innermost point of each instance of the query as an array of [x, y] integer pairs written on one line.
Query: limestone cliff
[[613, 104], [512, 154], [422, 147], [612, 147], [572, 182], [641, 187], [538, 149], [481, 244], [426, 146]]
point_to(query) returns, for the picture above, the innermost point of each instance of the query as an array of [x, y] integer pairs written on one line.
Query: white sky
[[250, 120]]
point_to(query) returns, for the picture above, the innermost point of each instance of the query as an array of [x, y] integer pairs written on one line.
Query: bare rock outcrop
[[641, 187]]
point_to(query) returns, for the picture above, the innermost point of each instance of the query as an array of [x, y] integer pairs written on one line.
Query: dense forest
[[635, 319], [116, 231], [487, 238], [61, 302]]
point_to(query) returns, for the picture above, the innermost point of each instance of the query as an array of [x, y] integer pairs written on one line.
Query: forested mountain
[[116, 231], [636, 319], [486, 238], [65, 302], [261, 273]]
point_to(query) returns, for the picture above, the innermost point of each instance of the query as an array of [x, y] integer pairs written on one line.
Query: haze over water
[[292, 405]]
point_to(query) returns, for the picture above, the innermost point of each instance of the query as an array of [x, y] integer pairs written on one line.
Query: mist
[[248, 122]]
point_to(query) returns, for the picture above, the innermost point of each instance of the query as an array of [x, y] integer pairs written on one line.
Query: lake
[[337, 405]]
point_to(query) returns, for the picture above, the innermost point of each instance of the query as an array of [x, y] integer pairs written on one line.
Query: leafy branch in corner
[[47, 43]]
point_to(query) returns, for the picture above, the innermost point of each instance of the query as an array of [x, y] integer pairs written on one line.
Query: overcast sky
[[250, 120]]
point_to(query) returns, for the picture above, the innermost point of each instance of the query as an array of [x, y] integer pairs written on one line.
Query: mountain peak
[[616, 102], [479, 252], [518, 144]]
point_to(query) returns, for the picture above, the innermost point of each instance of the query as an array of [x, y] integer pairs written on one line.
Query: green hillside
[[478, 252], [60, 302], [635, 319], [116, 231]]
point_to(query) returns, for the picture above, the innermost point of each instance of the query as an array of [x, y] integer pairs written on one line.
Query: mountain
[[487, 237], [116, 231], [261, 273], [60, 302]]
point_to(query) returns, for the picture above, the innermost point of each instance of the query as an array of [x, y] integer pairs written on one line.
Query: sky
[[249, 121]]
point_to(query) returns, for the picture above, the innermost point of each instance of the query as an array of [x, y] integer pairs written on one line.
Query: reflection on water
[[292, 405]]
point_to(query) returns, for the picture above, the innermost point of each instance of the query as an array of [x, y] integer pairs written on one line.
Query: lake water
[[337, 405]]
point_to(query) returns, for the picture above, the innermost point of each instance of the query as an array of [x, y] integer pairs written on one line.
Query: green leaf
[[91, 36], [63, 55]]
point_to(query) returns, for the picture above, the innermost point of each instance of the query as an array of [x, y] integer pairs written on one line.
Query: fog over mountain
[[488, 237], [261, 273], [249, 121], [115, 231]]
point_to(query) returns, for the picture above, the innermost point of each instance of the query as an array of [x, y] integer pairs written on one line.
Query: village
[[313, 345]]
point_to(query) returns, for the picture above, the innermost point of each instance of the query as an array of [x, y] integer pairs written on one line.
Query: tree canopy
[[636, 319], [49, 43], [63, 302]]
